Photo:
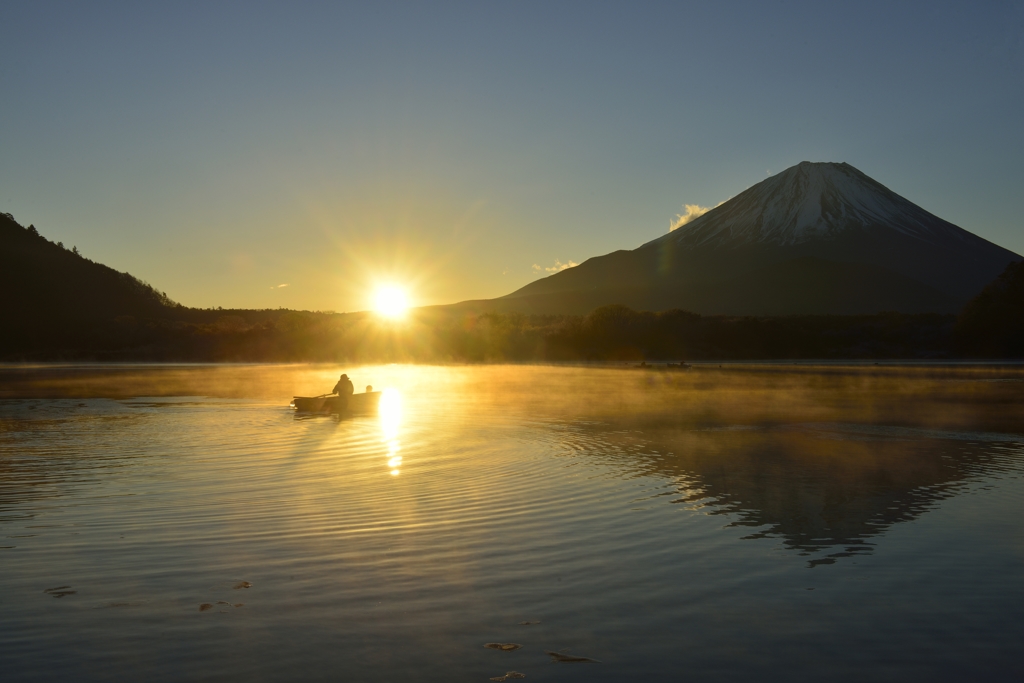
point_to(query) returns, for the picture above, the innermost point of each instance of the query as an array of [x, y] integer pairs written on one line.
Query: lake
[[722, 523]]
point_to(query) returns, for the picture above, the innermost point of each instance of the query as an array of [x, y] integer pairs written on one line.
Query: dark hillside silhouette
[[54, 296], [992, 324], [57, 278]]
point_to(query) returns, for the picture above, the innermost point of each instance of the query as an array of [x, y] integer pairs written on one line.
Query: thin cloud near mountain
[[559, 266], [690, 212]]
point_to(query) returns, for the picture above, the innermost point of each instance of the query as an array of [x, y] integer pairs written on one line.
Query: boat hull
[[356, 403]]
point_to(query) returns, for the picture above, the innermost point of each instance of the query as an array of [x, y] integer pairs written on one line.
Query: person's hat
[[344, 376]]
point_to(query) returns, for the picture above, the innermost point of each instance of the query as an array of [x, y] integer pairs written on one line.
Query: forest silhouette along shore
[[62, 306]]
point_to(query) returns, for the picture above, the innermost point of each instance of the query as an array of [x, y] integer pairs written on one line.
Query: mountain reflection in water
[[733, 523], [820, 488]]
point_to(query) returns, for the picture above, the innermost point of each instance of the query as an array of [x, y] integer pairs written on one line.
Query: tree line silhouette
[[59, 305]]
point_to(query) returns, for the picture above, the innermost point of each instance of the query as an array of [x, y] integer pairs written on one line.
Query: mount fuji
[[818, 238]]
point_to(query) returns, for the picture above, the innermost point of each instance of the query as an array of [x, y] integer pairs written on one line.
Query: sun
[[391, 301]]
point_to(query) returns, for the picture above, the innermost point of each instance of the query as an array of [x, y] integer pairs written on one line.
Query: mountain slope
[[816, 238], [50, 289]]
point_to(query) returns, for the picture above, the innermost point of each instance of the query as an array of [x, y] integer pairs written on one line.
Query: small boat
[[335, 404]]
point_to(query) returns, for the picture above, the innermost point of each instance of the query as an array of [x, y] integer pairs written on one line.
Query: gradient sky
[[218, 150]]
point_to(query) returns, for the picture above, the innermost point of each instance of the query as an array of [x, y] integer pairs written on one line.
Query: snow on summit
[[811, 201]]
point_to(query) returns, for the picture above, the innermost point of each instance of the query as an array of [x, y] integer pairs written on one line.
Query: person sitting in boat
[[344, 387]]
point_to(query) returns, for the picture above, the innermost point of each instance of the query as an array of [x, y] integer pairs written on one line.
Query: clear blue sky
[[219, 150]]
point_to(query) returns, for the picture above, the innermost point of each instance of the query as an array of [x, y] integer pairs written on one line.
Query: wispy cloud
[[279, 286], [690, 212], [558, 267]]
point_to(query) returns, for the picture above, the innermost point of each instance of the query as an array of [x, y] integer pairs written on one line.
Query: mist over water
[[777, 522]]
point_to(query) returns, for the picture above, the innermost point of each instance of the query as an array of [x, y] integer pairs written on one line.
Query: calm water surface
[[743, 523]]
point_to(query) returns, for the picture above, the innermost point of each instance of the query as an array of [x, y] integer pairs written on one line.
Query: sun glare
[[391, 301]]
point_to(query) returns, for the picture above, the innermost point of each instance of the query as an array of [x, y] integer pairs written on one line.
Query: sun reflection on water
[[390, 421]]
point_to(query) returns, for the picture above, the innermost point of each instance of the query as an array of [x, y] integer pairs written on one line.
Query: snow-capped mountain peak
[[806, 202], [818, 238]]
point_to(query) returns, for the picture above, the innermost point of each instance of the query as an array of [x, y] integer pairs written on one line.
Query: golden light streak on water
[[390, 423]]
